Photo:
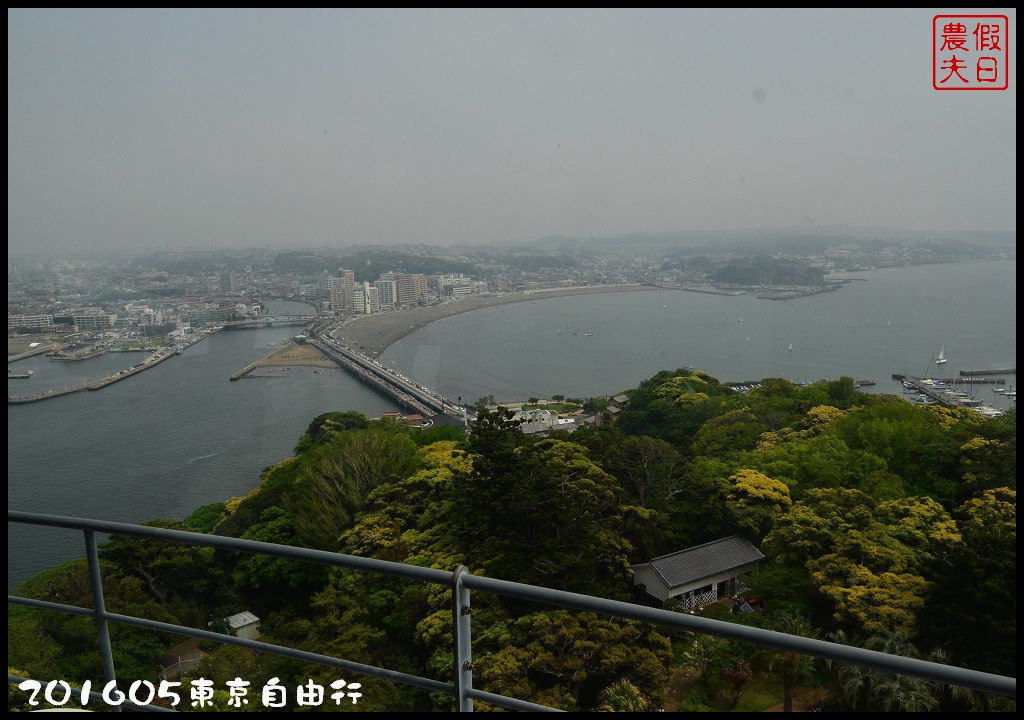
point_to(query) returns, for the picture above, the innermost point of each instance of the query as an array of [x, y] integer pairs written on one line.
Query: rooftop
[[702, 561]]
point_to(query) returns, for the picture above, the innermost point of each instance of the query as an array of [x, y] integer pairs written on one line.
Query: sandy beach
[[373, 334], [296, 355]]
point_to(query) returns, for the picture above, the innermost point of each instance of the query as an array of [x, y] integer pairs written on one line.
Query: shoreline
[[289, 356], [371, 335]]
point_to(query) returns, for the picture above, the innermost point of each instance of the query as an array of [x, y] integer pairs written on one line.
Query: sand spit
[[373, 334]]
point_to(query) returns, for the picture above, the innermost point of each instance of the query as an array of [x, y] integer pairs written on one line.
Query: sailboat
[[791, 347], [942, 356]]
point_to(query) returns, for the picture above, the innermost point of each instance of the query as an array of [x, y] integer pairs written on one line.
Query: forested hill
[[882, 522]]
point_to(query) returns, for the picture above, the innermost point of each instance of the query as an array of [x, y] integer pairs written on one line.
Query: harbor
[[963, 380], [930, 391], [150, 362]]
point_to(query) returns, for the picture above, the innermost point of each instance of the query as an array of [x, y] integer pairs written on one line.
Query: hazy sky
[[200, 128]]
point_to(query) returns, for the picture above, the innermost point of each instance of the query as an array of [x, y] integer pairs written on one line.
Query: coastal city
[[434, 360], [76, 309]]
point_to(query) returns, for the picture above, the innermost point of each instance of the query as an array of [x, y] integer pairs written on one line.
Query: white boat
[[791, 347], [942, 356]]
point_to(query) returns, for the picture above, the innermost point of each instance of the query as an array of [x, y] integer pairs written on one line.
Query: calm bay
[[180, 435]]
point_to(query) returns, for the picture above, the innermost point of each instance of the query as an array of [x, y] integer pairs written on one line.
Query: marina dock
[[150, 362], [938, 392], [964, 380]]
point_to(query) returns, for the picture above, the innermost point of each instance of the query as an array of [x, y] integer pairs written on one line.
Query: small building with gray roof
[[698, 575]]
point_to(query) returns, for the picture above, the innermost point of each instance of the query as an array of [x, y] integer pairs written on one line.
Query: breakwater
[[150, 362], [702, 289], [789, 293], [965, 380]]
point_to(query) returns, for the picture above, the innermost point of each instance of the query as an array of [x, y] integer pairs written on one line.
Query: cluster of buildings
[[138, 315], [340, 294]]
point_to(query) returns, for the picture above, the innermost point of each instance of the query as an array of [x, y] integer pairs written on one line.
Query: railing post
[[463, 642], [100, 608]]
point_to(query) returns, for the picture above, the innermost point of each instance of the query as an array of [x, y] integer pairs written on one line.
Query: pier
[[790, 293], [246, 370], [150, 362], [44, 347], [702, 289], [938, 392], [964, 380], [1005, 371]]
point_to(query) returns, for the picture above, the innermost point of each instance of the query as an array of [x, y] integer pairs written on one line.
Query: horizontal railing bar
[[384, 673], [393, 675], [510, 703], [47, 605], [973, 679], [985, 682], [93, 696], [322, 557]]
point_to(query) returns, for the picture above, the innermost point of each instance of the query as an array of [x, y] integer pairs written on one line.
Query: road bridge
[[270, 321], [404, 391]]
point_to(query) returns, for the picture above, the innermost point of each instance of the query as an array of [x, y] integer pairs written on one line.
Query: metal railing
[[462, 582]]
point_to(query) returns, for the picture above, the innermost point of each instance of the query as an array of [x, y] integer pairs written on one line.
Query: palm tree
[[786, 664], [868, 689], [623, 696]]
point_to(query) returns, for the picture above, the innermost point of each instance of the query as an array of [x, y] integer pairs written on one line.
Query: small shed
[[698, 575], [244, 625]]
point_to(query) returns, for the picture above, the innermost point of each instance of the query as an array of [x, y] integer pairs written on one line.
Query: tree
[[979, 574], [337, 477], [493, 438], [544, 514], [788, 665], [737, 677], [164, 566], [325, 426], [704, 652], [874, 690], [571, 660], [135, 650], [205, 519], [265, 572], [869, 561], [755, 501], [623, 696], [842, 391]]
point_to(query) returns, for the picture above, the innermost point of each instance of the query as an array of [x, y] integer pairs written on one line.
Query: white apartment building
[[387, 290], [366, 300], [29, 321]]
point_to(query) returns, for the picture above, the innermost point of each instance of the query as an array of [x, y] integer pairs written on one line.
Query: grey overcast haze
[[183, 129]]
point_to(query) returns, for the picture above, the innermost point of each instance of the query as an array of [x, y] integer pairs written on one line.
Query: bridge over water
[[401, 390], [270, 321]]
